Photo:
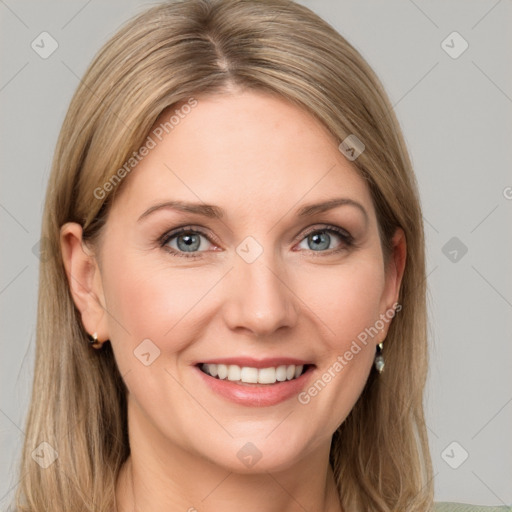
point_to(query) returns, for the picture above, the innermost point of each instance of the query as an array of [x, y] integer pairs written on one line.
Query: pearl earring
[[379, 358]]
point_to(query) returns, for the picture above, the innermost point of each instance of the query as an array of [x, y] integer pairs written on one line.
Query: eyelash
[[347, 240]]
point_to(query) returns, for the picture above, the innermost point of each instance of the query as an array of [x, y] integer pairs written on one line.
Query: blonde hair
[[164, 56]]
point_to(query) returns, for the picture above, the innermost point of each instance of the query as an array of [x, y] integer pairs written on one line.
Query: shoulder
[[464, 507]]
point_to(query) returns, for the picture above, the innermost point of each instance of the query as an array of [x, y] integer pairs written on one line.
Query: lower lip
[[257, 395]]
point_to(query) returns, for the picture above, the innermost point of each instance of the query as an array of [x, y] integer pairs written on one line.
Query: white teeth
[[281, 373], [251, 375], [233, 372], [222, 370], [266, 375], [213, 370]]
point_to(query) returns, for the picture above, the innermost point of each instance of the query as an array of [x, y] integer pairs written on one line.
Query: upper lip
[[256, 363]]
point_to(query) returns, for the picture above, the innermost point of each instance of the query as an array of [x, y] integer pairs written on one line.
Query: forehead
[[242, 150]]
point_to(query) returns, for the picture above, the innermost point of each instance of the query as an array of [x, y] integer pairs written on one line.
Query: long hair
[[161, 58]]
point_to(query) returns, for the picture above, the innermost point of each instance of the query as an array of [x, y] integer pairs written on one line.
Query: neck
[[161, 475], [138, 491]]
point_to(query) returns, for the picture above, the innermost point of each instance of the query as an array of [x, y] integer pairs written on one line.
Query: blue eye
[[187, 242], [320, 239]]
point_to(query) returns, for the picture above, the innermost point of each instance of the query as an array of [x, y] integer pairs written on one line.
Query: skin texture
[[260, 159]]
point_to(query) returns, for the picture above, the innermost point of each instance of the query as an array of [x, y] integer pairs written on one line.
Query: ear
[[393, 276], [84, 280]]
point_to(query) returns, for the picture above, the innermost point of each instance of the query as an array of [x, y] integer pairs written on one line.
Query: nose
[[259, 298]]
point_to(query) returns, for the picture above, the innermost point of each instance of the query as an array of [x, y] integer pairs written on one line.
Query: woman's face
[[259, 284]]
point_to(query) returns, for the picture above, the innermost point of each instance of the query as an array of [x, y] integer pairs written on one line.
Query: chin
[[260, 454]]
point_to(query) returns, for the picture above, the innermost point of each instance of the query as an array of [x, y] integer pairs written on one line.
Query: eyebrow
[[211, 211], [312, 209], [206, 210]]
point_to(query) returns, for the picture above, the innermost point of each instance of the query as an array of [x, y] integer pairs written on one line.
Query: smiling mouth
[[250, 375]]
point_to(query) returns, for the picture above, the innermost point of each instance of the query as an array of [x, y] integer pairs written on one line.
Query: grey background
[[456, 115]]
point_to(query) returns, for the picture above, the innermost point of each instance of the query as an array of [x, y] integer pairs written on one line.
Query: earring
[[379, 358], [93, 341]]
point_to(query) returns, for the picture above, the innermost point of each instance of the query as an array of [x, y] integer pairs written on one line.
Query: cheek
[[153, 300], [345, 298], [349, 309]]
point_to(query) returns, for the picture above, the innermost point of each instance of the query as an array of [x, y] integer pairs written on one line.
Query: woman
[[234, 314]]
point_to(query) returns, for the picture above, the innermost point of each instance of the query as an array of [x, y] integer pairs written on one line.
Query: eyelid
[[163, 239], [326, 227]]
